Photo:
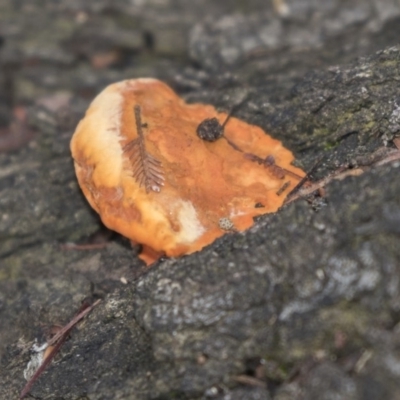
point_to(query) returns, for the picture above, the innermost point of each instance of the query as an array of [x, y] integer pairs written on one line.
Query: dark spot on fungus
[[210, 130]]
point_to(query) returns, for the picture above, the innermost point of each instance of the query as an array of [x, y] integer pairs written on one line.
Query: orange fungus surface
[[145, 169]]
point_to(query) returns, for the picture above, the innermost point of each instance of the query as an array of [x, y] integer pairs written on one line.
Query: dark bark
[[307, 301]]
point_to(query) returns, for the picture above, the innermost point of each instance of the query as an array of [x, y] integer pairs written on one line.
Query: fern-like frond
[[146, 169]]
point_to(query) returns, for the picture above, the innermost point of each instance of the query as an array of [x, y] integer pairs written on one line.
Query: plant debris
[[44, 354], [379, 157], [146, 169]]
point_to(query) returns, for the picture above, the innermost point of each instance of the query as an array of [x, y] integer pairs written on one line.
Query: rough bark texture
[[306, 304]]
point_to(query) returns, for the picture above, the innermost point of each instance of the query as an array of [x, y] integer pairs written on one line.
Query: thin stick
[[341, 173], [303, 180], [57, 340], [250, 381], [73, 322], [233, 145], [234, 108], [283, 188], [267, 163], [43, 366]]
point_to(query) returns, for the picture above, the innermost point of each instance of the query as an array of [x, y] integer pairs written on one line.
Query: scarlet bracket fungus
[[143, 167]]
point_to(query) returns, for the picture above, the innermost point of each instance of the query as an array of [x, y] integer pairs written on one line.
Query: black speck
[[149, 40], [210, 130]]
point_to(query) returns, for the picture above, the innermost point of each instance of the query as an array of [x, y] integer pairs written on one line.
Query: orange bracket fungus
[[147, 164]]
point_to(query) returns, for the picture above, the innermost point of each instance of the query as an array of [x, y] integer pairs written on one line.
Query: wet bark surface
[[305, 305]]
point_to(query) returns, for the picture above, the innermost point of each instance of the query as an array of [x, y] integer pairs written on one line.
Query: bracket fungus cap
[[144, 169]]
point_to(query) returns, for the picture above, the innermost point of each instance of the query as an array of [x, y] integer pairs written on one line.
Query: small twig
[[57, 340], [283, 188], [233, 145], [234, 108], [250, 381], [340, 174], [43, 366], [303, 180], [73, 322], [392, 156], [269, 163]]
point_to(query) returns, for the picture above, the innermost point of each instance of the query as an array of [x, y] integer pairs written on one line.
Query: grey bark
[[307, 300]]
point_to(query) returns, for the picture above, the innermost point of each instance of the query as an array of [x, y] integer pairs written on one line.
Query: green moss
[[330, 145], [323, 131]]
